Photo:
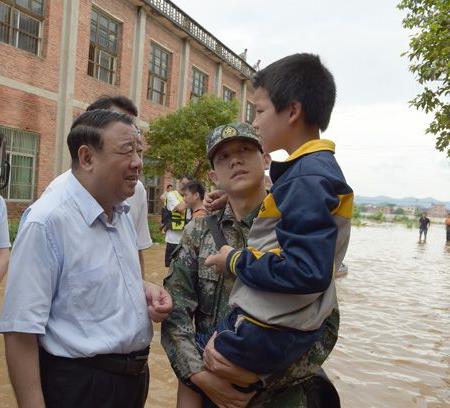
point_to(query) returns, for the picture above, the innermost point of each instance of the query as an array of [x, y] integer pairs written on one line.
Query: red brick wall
[[204, 64], [36, 114], [169, 41], [87, 88], [40, 71]]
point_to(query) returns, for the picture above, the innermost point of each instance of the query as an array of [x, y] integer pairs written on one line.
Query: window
[[153, 187], [199, 83], [228, 94], [103, 47], [249, 112], [159, 75], [20, 24], [21, 153]]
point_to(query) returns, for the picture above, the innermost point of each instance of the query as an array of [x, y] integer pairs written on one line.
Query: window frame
[[226, 89], [10, 134], [250, 112], [153, 75], [97, 50], [204, 83], [12, 28]]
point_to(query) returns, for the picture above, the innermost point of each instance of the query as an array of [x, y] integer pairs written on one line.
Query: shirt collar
[[227, 215], [89, 207], [315, 145]]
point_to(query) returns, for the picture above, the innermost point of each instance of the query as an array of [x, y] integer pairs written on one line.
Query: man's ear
[[85, 157], [295, 111], [213, 177], [267, 160]]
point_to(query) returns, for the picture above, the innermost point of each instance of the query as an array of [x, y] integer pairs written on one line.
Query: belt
[[134, 363]]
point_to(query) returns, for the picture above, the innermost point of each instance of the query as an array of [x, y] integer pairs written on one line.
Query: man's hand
[[215, 200], [220, 391], [219, 365], [159, 302], [219, 260]]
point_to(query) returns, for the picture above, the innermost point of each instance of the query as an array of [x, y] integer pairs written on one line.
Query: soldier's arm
[[177, 331], [309, 363]]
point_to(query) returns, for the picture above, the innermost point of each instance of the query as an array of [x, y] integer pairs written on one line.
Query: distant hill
[[384, 200]]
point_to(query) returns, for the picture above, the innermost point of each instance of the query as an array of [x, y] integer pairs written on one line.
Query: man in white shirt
[[75, 316], [138, 201]]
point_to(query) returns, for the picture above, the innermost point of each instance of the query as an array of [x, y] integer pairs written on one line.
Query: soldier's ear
[[267, 161], [213, 177]]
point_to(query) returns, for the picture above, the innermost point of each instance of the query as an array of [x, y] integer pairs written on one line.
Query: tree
[[399, 211], [429, 55], [177, 140]]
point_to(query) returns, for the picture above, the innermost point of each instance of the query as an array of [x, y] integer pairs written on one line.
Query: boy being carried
[[285, 291]]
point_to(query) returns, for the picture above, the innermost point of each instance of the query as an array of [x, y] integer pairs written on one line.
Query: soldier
[[201, 294]]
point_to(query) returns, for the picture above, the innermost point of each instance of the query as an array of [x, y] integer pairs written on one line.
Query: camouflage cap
[[231, 131]]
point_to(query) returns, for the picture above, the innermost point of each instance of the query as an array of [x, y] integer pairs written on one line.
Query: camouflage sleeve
[[177, 331]]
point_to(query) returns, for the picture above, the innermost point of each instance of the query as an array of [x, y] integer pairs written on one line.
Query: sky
[[381, 143]]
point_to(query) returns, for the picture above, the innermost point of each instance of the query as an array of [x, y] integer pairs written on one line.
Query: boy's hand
[[219, 365], [219, 260], [159, 302], [215, 200]]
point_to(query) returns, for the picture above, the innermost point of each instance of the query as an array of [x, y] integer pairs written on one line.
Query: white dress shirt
[[74, 278], [138, 208], [4, 230]]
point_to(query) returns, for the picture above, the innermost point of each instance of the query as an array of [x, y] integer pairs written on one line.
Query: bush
[[13, 227], [155, 231]]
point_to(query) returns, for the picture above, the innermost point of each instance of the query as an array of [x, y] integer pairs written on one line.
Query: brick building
[[437, 211], [57, 56]]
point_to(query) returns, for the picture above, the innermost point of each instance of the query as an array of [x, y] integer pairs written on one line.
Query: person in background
[[424, 224], [175, 204], [4, 239], [138, 201], [193, 195], [447, 227], [163, 196]]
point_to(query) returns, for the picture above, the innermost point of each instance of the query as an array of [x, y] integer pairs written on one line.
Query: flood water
[[394, 345]]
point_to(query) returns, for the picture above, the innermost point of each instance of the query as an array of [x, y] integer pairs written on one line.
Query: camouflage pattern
[[237, 130], [200, 297]]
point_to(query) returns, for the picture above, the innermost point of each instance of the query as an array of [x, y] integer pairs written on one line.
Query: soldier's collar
[[248, 219], [227, 215]]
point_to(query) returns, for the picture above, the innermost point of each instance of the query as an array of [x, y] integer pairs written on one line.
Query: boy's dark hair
[[302, 78], [121, 102], [187, 176], [196, 187], [86, 128]]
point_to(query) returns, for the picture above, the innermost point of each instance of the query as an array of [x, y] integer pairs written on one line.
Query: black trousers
[[169, 250], [68, 383]]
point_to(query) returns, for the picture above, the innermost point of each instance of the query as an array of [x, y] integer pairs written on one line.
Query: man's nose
[[235, 159], [136, 162]]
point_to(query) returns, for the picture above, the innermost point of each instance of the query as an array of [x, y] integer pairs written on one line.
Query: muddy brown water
[[394, 345]]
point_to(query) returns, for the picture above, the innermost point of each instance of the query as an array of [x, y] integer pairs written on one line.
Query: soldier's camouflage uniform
[[200, 297]]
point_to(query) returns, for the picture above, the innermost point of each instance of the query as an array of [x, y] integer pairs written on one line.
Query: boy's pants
[[262, 350]]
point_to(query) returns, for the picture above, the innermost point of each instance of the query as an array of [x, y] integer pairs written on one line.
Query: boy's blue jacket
[[301, 234]]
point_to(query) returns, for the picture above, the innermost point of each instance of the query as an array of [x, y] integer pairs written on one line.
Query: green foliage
[[177, 140], [399, 211], [356, 212], [13, 228], [378, 216], [429, 57], [155, 232]]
